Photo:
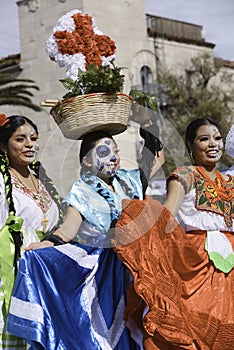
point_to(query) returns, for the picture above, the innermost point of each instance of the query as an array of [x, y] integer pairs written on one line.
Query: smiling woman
[[205, 146], [29, 206], [22, 147], [184, 269]]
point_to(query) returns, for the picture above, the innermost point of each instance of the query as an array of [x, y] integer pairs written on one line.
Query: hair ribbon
[[3, 120]]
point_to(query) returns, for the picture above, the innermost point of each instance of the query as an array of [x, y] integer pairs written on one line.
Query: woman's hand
[[39, 245], [140, 114]]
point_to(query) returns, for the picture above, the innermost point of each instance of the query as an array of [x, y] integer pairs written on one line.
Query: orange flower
[[83, 40], [3, 120]]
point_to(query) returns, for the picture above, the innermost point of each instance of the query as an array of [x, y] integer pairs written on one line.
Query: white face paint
[[105, 157], [23, 145], [208, 145]]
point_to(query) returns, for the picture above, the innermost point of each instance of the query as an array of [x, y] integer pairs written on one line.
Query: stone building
[[145, 44]]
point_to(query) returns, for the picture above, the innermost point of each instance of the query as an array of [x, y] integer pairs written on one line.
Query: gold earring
[[192, 157]]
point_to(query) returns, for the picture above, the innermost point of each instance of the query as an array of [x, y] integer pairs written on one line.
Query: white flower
[[78, 60], [95, 28], [106, 60], [74, 62], [66, 22]]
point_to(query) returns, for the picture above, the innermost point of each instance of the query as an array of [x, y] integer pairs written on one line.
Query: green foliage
[[95, 79], [145, 99], [17, 91], [202, 91]]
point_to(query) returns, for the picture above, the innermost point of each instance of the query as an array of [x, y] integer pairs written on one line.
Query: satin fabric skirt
[[178, 298], [71, 297]]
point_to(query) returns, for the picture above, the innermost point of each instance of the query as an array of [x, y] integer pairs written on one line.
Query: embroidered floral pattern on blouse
[[207, 199], [41, 198]]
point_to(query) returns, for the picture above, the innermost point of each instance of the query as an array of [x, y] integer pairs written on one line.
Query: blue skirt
[[71, 297]]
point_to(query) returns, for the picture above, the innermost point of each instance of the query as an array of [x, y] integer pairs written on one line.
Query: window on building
[[146, 79]]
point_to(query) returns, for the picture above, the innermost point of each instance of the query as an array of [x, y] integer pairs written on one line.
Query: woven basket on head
[[82, 114]]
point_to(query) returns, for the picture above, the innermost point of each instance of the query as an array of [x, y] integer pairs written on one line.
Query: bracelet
[[55, 239], [146, 124]]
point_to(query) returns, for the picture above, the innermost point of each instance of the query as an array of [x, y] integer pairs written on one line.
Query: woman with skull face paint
[[72, 296], [89, 281], [30, 206]]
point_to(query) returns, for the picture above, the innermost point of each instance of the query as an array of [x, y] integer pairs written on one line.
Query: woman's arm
[[66, 232], [159, 160], [175, 196], [72, 221]]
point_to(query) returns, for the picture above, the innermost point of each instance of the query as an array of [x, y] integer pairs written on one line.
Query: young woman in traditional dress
[[30, 206], [182, 296], [73, 296]]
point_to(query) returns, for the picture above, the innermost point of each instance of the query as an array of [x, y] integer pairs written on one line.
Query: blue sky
[[216, 17]]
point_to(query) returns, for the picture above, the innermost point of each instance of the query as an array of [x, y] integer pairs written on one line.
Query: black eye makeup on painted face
[[103, 151]]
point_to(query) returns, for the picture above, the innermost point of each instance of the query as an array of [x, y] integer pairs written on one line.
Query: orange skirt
[[178, 299]]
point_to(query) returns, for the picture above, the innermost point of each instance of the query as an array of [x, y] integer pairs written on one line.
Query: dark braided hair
[[6, 131], [17, 237], [7, 180]]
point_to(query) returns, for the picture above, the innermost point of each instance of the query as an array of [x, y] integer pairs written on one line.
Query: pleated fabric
[[178, 299]]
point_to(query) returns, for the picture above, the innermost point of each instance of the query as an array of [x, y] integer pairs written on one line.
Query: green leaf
[[95, 79]]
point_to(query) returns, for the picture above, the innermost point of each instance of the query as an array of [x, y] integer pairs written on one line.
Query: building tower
[[145, 44], [125, 22]]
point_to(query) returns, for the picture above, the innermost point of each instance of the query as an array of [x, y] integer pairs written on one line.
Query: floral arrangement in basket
[[94, 83]]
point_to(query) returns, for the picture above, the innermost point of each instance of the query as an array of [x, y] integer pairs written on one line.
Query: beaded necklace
[[36, 189]]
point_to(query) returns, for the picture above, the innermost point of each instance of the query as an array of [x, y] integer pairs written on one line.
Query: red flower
[[84, 40]]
